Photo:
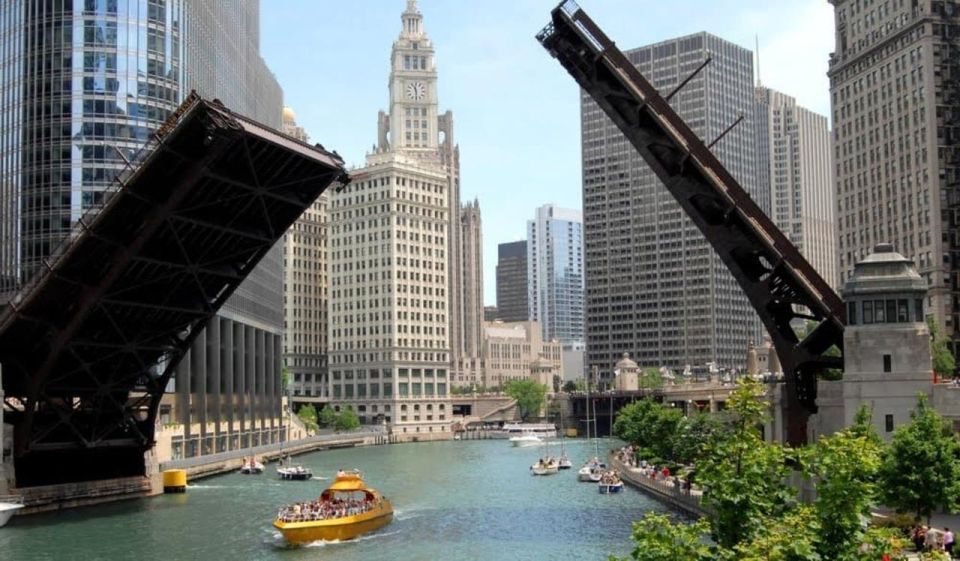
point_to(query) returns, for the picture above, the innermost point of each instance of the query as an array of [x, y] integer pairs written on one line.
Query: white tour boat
[[9, 505], [524, 440]]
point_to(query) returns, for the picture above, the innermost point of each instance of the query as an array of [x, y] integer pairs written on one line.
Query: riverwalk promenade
[[687, 501]]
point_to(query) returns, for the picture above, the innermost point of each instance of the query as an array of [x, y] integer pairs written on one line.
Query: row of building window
[[893, 310]]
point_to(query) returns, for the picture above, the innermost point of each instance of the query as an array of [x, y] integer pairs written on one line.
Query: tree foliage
[[529, 395], [944, 363], [327, 416], [346, 420], [921, 470], [308, 414], [569, 386], [844, 467], [657, 538], [649, 425], [745, 475], [753, 512], [695, 434], [650, 379]]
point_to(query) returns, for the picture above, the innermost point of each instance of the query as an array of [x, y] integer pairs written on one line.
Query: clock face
[[416, 90]]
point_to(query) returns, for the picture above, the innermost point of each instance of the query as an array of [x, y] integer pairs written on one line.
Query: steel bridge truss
[[780, 284], [89, 345]]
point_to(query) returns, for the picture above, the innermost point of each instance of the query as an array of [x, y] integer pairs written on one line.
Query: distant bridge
[[88, 346]]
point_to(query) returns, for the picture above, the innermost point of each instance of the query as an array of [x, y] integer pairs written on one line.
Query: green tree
[[944, 362], [745, 476], [569, 386], [557, 382], [657, 538], [844, 467], [921, 470], [788, 538], [308, 414], [529, 395], [649, 425], [695, 434], [327, 416], [863, 425], [284, 378], [346, 420], [650, 379]]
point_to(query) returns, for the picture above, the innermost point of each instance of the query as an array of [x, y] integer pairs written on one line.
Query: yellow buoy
[[175, 481]]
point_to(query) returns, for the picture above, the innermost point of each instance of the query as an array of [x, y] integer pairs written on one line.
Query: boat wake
[[212, 486], [280, 543]]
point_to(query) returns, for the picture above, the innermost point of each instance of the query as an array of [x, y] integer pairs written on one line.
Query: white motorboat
[[524, 440], [590, 473], [9, 505], [607, 488], [293, 472], [545, 466], [251, 466]]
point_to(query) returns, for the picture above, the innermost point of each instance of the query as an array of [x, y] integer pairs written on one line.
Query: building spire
[[412, 21]]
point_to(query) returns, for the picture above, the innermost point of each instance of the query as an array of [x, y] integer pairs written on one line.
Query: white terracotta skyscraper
[[396, 331]]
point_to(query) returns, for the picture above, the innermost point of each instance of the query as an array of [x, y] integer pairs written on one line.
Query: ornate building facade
[[305, 294], [397, 334]]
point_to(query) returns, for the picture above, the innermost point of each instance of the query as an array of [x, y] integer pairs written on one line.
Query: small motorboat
[[545, 466], [345, 510], [524, 440], [9, 505], [607, 488], [610, 482], [592, 471], [251, 466], [293, 472]]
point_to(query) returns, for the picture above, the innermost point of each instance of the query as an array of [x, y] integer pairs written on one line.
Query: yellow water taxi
[[345, 510]]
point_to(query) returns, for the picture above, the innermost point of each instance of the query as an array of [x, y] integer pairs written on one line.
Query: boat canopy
[[348, 483]]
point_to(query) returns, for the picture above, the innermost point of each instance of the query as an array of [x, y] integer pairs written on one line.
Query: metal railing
[[328, 436]]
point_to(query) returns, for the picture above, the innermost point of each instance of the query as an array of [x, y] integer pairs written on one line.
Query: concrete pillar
[[272, 374], [277, 379], [240, 375], [249, 347], [198, 364], [214, 350], [751, 359], [227, 374], [183, 394], [261, 378]]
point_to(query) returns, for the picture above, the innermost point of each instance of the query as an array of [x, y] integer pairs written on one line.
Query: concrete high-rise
[[471, 259], [654, 286], [305, 294], [895, 96], [391, 236], [84, 86], [795, 176], [555, 273], [512, 297]]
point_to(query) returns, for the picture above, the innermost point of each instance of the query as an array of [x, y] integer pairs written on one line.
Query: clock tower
[[412, 123]]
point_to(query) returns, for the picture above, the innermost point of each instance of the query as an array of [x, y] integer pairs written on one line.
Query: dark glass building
[[83, 84], [512, 296]]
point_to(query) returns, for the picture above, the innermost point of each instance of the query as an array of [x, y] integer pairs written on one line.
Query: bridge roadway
[[89, 344]]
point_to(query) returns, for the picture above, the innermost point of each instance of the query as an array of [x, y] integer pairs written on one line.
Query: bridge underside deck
[[88, 346]]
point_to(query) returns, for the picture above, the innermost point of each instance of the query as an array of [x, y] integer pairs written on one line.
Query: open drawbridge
[[88, 346], [780, 284]]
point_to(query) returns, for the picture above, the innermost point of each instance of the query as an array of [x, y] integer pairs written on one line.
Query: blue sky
[[516, 110]]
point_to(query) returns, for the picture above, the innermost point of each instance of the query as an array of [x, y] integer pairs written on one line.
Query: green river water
[[456, 500]]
